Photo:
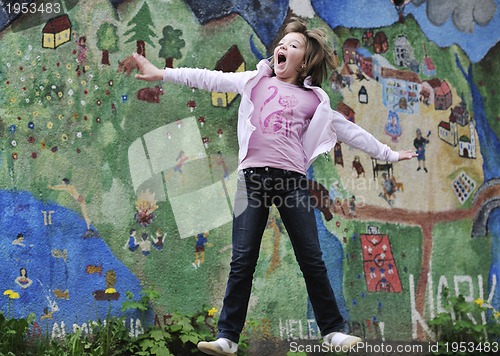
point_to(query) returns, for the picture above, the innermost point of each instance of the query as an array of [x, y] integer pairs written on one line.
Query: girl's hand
[[407, 154], [147, 71]]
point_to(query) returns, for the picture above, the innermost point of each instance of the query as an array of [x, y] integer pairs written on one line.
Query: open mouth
[[281, 58]]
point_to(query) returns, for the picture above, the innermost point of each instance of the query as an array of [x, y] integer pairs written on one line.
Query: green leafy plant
[[463, 324], [14, 332], [111, 337]]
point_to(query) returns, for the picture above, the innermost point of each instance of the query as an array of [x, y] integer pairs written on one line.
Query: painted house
[[347, 111], [380, 43], [349, 50], [56, 32], [347, 74], [380, 62], [448, 132], [400, 90], [467, 145], [367, 38], [428, 90], [231, 61], [403, 51], [428, 67], [364, 61], [442, 96], [460, 114]]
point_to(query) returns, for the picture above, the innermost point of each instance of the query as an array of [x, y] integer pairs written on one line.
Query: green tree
[[107, 41], [141, 30], [171, 44]]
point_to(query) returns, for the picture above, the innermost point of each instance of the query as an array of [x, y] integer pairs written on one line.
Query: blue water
[[490, 152], [381, 13], [21, 212]]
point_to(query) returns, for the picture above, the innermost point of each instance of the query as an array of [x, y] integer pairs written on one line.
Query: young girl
[[285, 121]]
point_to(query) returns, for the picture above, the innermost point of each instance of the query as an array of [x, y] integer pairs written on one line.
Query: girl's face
[[289, 57]]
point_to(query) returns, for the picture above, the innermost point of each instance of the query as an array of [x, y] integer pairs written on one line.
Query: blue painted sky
[[379, 13]]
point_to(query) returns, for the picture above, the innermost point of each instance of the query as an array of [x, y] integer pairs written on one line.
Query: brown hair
[[318, 57]]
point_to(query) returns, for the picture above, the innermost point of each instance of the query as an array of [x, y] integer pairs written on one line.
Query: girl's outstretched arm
[[407, 154], [147, 71]]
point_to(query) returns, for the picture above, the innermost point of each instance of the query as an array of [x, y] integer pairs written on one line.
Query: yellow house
[[56, 32], [232, 61]]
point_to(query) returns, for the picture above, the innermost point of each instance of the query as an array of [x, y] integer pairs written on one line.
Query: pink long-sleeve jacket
[[326, 126]]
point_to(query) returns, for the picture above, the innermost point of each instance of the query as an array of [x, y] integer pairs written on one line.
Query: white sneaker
[[338, 339], [220, 347]]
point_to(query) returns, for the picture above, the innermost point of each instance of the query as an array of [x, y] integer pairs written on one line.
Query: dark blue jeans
[[258, 189]]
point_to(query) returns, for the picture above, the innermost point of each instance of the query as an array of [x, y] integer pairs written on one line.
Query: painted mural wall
[[109, 185]]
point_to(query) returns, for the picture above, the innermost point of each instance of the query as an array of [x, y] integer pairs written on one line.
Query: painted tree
[[107, 41], [171, 44], [141, 30]]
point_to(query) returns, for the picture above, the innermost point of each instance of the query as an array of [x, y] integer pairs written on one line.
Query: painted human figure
[[158, 240], [82, 53], [356, 165], [22, 280], [145, 244], [199, 250], [76, 195], [132, 244], [420, 142]]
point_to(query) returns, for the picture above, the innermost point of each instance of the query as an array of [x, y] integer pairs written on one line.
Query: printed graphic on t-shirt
[[279, 121]]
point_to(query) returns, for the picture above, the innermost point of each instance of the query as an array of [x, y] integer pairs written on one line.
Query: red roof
[[57, 24], [231, 60], [443, 89], [444, 125]]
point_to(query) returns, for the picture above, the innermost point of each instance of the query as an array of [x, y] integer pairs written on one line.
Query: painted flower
[[48, 97], [84, 82], [60, 117], [64, 137], [60, 94], [68, 66], [14, 295], [82, 102], [212, 312], [70, 92], [50, 125], [110, 291], [31, 125], [8, 292], [12, 128], [79, 134], [496, 315], [13, 143]]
